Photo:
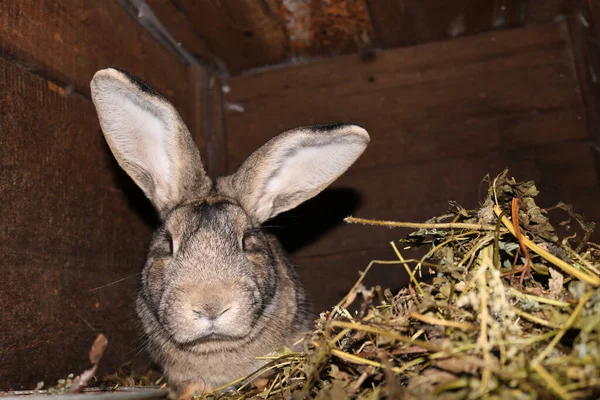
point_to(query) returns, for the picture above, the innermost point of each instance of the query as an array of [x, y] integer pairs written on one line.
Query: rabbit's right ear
[[295, 166], [148, 139]]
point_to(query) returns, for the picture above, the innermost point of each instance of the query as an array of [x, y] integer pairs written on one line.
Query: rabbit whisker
[[113, 283]]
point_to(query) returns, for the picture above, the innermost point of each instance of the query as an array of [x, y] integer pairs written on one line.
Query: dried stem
[[414, 225], [591, 279]]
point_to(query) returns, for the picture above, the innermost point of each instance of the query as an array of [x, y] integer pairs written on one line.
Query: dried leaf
[[83, 380], [555, 283], [98, 348]]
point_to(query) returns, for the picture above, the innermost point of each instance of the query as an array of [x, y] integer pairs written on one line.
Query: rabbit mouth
[[212, 337], [202, 335]]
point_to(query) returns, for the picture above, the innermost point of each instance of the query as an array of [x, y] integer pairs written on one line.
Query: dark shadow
[[136, 199], [312, 219]]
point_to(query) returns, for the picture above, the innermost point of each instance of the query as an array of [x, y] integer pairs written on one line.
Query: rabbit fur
[[216, 290]]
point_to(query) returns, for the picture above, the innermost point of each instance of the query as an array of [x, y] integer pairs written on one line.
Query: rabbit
[[216, 290]]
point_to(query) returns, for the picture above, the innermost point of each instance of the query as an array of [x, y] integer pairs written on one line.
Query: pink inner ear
[[136, 136], [162, 192], [296, 166], [264, 207], [304, 173]]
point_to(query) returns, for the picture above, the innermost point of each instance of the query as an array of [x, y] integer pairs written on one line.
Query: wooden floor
[[441, 116]]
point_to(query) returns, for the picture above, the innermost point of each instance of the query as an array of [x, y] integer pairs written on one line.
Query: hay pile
[[512, 312]]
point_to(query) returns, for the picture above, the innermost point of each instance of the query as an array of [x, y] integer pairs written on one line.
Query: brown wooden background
[[449, 91]]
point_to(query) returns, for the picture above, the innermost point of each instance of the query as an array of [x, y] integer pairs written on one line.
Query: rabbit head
[[216, 291]]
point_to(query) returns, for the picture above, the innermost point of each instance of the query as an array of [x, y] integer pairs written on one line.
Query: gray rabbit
[[216, 291]]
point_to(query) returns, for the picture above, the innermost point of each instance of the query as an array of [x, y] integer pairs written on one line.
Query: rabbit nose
[[212, 311]]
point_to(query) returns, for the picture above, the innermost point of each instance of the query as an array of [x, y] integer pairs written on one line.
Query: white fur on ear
[[139, 137], [295, 166], [147, 137]]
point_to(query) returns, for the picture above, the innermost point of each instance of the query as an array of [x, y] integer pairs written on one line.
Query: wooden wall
[[585, 31], [72, 223], [239, 36], [441, 116]]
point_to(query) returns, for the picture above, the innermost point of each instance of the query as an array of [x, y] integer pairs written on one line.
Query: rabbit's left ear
[[295, 166], [148, 139]]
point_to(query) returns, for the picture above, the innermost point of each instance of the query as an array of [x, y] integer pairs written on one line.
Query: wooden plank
[[324, 28], [68, 41], [594, 8], [545, 11], [243, 34], [439, 60], [207, 87], [182, 30], [415, 63], [488, 91], [388, 20], [584, 27], [72, 224], [407, 22]]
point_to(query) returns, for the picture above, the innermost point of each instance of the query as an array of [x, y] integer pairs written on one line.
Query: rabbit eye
[[246, 242], [249, 241], [169, 238]]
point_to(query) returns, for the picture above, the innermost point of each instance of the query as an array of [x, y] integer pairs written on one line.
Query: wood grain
[[71, 222], [321, 28], [594, 9], [68, 41], [243, 34], [545, 11], [407, 22], [584, 26], [177, 23], [208, 106]]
